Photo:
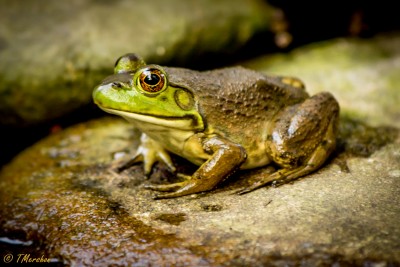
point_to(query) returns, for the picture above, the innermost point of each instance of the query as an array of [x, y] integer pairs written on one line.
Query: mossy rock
[[363, 74], [53, 53]]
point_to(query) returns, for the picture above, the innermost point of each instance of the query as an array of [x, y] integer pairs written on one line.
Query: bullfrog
[[221, 120]]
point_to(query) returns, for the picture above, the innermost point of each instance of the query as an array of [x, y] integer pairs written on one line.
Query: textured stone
[[63, 199], [63, 193]]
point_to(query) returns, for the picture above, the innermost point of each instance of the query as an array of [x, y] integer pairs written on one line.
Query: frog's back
[[235, 96]]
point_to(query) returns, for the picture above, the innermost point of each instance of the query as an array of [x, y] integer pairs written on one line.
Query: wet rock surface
[[62, 193], [63, 196]]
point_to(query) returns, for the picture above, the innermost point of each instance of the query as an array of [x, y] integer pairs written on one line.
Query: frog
[[222, 120]]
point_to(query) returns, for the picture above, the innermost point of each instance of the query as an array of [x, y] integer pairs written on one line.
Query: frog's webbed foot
[[188, 187], [282, 176], [148, 152], [226, 157], [181, 189], [277, 178]]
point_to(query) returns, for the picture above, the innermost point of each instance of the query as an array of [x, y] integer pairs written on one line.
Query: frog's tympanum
[[221, 120]]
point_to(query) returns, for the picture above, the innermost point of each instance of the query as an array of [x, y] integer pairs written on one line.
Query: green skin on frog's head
[[140, 92], [221, 120]]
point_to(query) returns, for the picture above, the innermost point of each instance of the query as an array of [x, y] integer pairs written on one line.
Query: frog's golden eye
[[152, 80]]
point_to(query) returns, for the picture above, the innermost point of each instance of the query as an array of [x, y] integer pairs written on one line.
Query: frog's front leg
[[225, 158], [148, 152]]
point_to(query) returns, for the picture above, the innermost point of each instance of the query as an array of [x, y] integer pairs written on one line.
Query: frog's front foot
[[188, 186], [149, 152], [169, 187], [225, 158]]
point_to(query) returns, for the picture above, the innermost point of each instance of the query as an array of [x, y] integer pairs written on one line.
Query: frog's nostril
[[116, 85]]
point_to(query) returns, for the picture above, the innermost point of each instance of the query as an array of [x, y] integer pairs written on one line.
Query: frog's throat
[[182, 123]]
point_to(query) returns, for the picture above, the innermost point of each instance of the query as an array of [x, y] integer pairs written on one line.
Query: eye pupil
[[152, 79]]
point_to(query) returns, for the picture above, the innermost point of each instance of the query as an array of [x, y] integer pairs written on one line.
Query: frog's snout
[[97, 94]]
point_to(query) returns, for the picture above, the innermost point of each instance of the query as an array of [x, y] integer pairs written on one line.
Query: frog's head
[[142, 93]]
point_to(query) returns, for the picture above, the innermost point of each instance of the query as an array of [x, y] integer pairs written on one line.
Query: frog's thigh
[[317, 158], [226, 158], [302, 129]]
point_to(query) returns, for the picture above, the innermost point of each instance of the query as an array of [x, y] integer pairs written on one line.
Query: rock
[[61, 198], [363, 74], [63, 193], [53, 52]]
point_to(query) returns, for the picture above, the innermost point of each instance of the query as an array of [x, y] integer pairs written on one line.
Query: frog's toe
[[164, 196], [164, 187], [170, 195], [166, 159], [138, 158], [251, 188], [184, 176], [273, 178], [175, 190], [244, 190], [147, 167], [183, 188]]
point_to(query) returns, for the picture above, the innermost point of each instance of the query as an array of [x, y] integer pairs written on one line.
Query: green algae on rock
[[63, 193], [54, 52]]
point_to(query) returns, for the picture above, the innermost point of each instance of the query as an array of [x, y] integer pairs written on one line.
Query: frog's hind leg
[[315, 159], [286, 175]]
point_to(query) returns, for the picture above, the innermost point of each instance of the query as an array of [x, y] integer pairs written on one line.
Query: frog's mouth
[[183, 123]]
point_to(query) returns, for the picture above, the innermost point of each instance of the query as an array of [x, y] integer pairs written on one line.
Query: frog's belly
[[255, 159], [174, 140], [186, 144], [256, 155]]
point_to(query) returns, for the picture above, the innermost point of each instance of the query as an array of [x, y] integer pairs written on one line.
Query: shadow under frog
[[222, 121]]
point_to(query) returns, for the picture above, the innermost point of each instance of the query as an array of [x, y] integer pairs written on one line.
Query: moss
[[52, 68], [356, 138]]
